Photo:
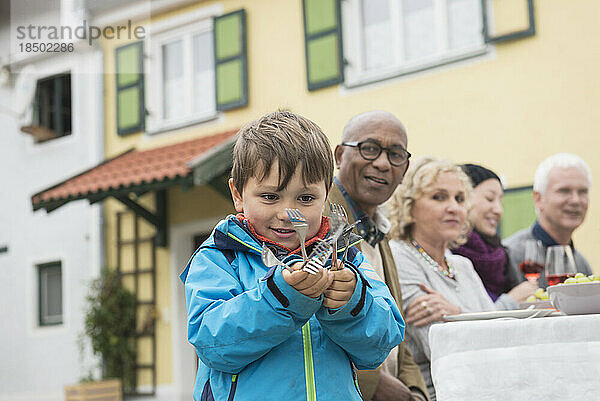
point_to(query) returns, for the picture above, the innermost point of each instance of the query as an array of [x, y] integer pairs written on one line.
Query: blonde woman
[[428, 212]]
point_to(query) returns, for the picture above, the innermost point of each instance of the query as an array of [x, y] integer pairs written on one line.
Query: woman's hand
[[429, 308], [520, 292]]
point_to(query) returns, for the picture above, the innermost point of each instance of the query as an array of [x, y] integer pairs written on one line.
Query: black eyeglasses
[[370, 150]]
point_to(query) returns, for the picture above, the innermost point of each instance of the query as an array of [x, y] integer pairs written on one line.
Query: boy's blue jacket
[[258, 338]]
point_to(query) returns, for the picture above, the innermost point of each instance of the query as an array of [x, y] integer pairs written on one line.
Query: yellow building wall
[[191, 205], [144, 285], [508, 109]]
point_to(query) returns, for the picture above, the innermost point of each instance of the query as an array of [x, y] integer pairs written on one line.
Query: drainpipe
[[99, 139]]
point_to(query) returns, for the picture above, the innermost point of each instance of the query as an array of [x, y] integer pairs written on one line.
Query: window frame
[[486, 6], [39, 131], [354, 73], [45, 320], [168, 32]]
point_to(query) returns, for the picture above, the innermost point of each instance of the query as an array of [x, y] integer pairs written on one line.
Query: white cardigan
[[465, 291]]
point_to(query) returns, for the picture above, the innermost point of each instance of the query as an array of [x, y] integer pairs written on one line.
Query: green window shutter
[[508, 36], [231, 64], [519, 211], [130, 88], [323, 43]]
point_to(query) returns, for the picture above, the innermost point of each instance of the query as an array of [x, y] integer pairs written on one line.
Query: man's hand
[[390, 388], [311, 285], [429, 308], [341, 289]]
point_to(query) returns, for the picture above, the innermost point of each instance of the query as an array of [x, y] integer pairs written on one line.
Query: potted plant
[[110, 326]]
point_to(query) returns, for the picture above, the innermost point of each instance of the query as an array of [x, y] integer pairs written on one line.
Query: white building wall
[[37, 362]]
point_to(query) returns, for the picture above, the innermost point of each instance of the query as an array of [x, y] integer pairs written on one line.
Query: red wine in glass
[[560, 264], [531, 269], [554, 279]]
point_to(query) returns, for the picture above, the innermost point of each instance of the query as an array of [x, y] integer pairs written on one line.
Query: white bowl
[[539, 304], [576, 299]]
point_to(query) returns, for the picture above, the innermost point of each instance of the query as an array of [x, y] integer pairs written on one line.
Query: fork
[[338, 219], [320, 253], [271, 260], [301, 226], [347, 244]]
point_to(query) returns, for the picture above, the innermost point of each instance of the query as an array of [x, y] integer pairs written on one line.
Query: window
[[184, 60], [384, 38], [51, 109], [197, 67], [50, 293], [519, 210]]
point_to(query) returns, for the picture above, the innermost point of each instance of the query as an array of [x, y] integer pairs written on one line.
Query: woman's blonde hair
[[419, 179]]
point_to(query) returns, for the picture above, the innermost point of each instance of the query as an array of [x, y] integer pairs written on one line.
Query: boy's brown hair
[[288, 138]]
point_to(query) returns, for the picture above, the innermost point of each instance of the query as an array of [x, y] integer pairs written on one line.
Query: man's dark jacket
[[408, 371]]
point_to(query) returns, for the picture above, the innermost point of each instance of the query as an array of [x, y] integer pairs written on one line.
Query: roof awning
[[200, 161], [194, 162]]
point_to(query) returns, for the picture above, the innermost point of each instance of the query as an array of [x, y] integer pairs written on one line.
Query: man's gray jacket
[[515, 246]]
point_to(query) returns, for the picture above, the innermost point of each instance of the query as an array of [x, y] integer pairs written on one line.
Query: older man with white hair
[[561, 195]]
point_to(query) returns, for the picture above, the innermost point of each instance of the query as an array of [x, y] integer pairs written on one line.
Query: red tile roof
[[131, 169]]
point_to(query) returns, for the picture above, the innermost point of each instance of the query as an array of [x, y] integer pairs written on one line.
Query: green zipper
[[309, 371], [233, 387], [230, 235]]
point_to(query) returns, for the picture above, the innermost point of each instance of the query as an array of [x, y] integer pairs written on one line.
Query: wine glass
[[560, 264], [533, 264]]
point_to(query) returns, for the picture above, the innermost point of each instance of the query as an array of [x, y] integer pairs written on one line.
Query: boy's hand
[[341, 289], [311, 285]]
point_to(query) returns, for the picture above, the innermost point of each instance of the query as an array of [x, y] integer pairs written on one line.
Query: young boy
[[276, 334]]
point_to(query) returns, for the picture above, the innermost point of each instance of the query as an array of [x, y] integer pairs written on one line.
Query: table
[[550, 358]]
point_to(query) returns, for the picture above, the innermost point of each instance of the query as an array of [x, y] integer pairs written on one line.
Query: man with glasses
[[372, 160]]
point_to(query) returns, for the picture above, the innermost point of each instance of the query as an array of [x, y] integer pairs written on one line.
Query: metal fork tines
[[271, 260], [301, 226], [346, 235], [338, 220], [319, 255]]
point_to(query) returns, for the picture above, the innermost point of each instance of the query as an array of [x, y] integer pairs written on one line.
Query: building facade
[[504, 84], [51, 118]]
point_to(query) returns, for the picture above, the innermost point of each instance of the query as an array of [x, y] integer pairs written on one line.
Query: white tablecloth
[[551, 358]]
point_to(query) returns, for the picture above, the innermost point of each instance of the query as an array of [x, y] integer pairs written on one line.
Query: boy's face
[[264, 206]]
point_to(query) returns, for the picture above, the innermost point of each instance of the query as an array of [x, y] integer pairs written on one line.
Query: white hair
[[559, 160]]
